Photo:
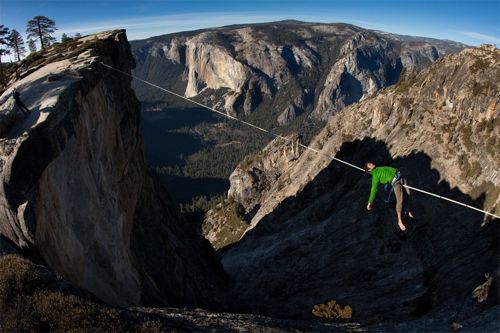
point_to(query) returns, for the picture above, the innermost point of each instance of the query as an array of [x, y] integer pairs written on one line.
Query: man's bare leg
[[404, 182], [400, 222], [398, 191]]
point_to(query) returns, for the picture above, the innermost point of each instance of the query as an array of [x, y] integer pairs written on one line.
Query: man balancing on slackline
[[388, 175]]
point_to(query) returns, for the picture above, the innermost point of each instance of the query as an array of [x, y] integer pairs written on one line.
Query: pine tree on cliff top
[[31, 45], [16, 43], [41, 28]]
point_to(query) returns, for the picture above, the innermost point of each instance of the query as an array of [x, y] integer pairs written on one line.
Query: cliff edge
[[75, 190]]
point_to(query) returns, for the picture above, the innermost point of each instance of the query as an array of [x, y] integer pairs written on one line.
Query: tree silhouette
[[16, 44], [4, 41], [41, 28], [31, 45], [65, 38]]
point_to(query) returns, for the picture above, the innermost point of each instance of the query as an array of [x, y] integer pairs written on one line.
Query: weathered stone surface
[[225, 224], [75, 309], [76, 189], [255, 175], [313, 240], [203, 321], [366, 64], [250, 184], [212, 67], [287, 115]]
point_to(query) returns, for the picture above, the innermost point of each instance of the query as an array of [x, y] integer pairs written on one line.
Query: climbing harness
[[390, 187], [287, 139], [397, 178]]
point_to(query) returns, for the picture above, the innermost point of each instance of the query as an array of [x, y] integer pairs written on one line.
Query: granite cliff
[[311, 239], [250, 182], [76, 193]]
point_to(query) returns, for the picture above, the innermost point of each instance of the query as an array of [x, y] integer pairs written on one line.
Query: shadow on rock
[[323, 244]]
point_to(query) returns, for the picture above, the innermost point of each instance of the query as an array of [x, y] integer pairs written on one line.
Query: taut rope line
[[286, 139]]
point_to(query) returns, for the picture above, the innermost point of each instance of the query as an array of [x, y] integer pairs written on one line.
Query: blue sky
[[469, 21]]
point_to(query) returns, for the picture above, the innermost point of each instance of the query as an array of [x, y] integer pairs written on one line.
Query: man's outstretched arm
[[373, 191]]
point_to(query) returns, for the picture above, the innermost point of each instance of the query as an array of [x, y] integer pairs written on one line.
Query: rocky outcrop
[[417, 57], [75, 190], [202, 321], [225, 223], [315, 240], [287, 116], [250, 184], [255, 175], [262, 67], [211, 67], [48, 300], [366, 64]]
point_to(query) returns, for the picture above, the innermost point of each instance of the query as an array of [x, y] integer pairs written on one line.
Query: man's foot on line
[[401, 226]]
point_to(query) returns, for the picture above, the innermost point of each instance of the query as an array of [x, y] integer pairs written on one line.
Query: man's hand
[[369, 206]]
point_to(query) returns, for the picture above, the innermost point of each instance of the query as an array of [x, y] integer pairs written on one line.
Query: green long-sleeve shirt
[[382, 175]]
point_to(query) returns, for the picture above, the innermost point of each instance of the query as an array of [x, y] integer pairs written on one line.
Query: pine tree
[[4, 41], [31, 45], [16, 44], [65, 38], [41, 28]]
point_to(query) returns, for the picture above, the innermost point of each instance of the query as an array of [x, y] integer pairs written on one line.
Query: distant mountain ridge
[[283, 68], [442, 44]]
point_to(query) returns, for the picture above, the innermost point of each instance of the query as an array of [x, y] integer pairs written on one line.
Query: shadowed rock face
[[312, 239], [76, 191], [323, 244], [267, 66]]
